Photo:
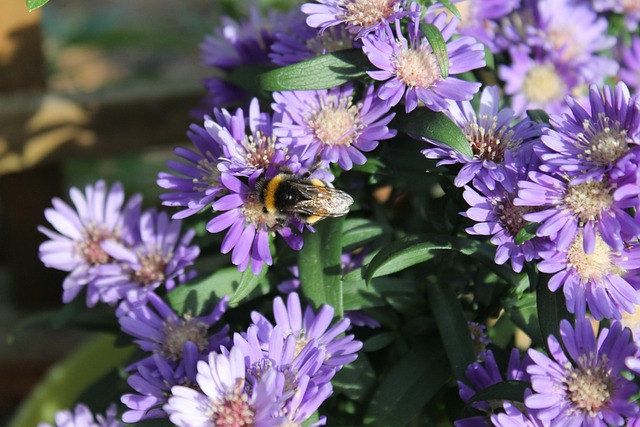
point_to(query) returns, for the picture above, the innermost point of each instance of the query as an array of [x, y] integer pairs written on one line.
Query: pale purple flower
[[194, 184], [409, 69], [157, 256], [584, 386], [605, 280], [330, 125], [630, 63], [588, 141], [83, 417], [480, 18], [159, 330], [226, 396], [513, 417], [152, 383], [630, 10], [99, 215], [359, 16], [491, 133]]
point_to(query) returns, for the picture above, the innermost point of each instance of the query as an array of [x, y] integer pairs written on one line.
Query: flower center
[[489, 142], [604, 142], [417, 67], [543, 85], [234, 409], [589, 387], [260, 150], [510, 215], [366, 13], [151, 270], [333, 39], [594, 266], [336, 121], [90, 249], [256, 213], [209, 175], [176, 334], [587, 200]]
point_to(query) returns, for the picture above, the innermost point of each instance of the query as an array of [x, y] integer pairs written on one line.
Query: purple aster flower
[[513, 417], [329, 125], [584, 387], [630, 63], [227, 397], [158, 329], [497, 215], [196, 184], [605, 280], [233, 44], [480, 18], [100, 215], [588, 142], [311, 326], [301, 42], [152, 383], [481, 375], [491, 133], [158, 256], [83, 417], [594, 206], [359, 16], [538, 82], [629, 9], [408, 67]]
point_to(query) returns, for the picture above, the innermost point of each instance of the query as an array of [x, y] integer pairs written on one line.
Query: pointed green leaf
[[319, 263], [35, 4], [524, 313], [539, 116], [422, 122], [410, 384], [451, 7], [527, 232], [552, 308], [506, 390], [356, 379], [453, 327], [358, 232], [439, 47], [322, 72]]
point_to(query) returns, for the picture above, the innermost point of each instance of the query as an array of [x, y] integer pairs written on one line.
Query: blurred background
[[88, 90]]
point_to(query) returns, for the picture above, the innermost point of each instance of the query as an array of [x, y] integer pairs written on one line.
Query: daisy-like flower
[[227, 398], [99, 215], [158, 256], [491, 133], [329, 125], [584, 386], [479, 18], [301, 42], [486, 373], [359, 16], [83, 417], [159, 330], [195, 184], [630, 63], [152, 383], [537, 82], [605, 280], [311, 326], [564, 207], [588, 142], [409, 68]]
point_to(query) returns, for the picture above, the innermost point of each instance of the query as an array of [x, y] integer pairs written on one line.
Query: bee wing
[[322, 201]]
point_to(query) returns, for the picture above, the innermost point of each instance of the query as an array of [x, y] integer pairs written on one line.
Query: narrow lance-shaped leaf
[[439, 47], [552, 308], [35, 4], [512, 391], [322, 72], [319, 264], [451, 7], [422, 122], [248, 282], [527, 232], [453, 327]]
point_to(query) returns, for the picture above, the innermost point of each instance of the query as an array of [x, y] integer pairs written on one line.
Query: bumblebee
[[309, 200]]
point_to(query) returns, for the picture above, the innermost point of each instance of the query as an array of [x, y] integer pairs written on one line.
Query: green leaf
[[379, 341], [526, 233], [357, 295], [322, 72], [453, 327], [358, 232], [246, 77], [248, 282], [552, 308], [35, 4], [451, 7], [356, 379], [319, 263], [524, 313], [409, 385], [505, 390], [412, 250], [539, 116], [439, 47], [422, 122]]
